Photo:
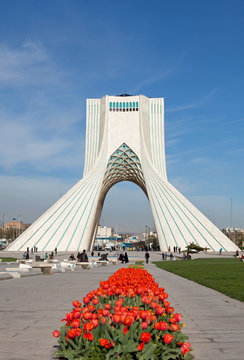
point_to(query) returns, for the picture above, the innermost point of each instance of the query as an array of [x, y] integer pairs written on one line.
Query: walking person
[[147, 256]]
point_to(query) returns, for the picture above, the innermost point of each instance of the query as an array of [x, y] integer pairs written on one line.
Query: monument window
[[124, 106]]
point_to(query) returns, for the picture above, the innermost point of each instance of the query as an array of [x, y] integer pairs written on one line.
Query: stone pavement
[[31, 308]]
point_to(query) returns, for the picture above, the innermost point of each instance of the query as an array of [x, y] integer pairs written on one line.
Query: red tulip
[[178, 317], [163, 325], [185, 348], [116, 318], [157, 326], [75, 323], [125, 330], [118, 291], [105, 312], [172, 320], [168, 338], [76, 303], [95, 322], [159, 310], [106, 343], [144, 325], [153, 305], [77, 332], [77, 315], [86, 300], [87, 316], [145, 337], [103, 342], [128, 321], [56, 333], [141, 346], [166, 303], [143, 314], [88, 336], [88, 327], [69, 316], [174, 327], [71, 333], [103, 320]]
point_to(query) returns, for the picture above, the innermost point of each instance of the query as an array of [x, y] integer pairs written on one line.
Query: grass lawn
[[223, 275], [8, 259]]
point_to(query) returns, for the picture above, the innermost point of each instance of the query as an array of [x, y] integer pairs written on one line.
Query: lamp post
[[15, 233], [20, 226], [148, 238]]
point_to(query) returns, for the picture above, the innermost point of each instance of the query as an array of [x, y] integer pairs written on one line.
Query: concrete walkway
[[31, 308]]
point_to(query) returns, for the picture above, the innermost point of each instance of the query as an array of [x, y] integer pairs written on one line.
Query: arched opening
[[127, 209], [124, 168]]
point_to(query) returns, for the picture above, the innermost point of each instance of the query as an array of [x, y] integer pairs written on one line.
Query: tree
[[193, 249], [1, 233], [10, 233]]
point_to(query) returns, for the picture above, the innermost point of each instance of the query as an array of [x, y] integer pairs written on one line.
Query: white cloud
[[199, 160], [39, 127], [194, 104], [24, 65], [151, 80]]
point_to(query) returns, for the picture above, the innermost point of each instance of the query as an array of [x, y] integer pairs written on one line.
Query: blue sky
[[55, 54]]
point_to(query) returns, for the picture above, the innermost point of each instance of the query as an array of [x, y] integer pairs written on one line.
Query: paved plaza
[[32, 307]]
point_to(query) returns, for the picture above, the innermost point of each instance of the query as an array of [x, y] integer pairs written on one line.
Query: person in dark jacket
[[147, 256], [84, 257], [122, 258], [126, 258]]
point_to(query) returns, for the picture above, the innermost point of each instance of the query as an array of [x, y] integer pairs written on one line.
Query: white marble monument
[[124, 142]]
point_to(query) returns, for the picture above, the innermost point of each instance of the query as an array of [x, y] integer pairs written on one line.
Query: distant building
[[106, 239], [236, 235], [14, 224], [104, 231]]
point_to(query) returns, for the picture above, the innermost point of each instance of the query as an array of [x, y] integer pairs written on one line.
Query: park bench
[[84, 265], [113, 262], [46, 268], [102, 262]]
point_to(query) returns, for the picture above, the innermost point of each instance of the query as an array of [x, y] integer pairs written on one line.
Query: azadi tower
[[124, 142]]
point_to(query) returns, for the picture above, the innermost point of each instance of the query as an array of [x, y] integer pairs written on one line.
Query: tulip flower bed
[[128, 317]]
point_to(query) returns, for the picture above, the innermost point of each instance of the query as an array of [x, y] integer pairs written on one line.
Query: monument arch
[[124, 142]]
